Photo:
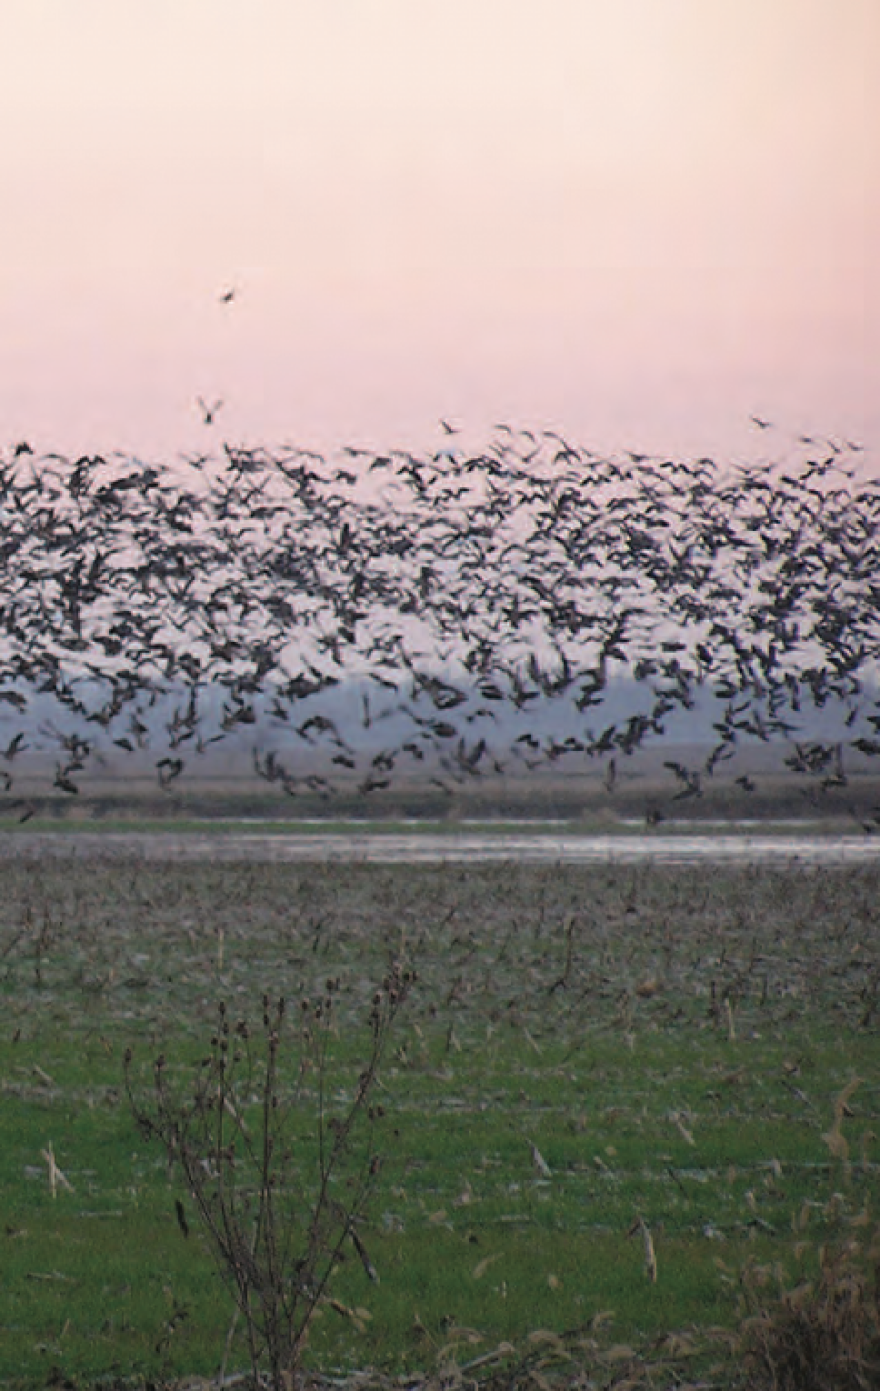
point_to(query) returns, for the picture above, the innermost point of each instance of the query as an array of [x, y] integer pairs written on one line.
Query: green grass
[[673, 1041]]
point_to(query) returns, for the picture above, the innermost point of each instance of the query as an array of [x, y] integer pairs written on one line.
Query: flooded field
[[537, 843], [599, 1030]]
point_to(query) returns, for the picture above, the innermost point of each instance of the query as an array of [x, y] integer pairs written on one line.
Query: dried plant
[[823, 1335], [277, 1173]]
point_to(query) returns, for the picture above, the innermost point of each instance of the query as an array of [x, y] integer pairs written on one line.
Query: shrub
[[823, 1335], [278, 1175]]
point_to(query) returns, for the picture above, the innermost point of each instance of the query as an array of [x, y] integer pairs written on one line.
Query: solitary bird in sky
[[228, 295], [209, 412]]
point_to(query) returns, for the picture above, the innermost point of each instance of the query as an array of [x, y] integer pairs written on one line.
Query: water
[[552, 846]]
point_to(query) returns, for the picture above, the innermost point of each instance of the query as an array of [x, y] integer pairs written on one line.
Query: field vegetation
[[627, 1131]]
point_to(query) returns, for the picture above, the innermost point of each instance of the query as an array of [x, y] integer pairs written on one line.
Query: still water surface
[[551, 844]]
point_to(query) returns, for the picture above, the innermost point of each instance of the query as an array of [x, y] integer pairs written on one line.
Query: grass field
[[585, 1047]]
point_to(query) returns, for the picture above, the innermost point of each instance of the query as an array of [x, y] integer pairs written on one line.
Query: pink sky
[[636, 221]]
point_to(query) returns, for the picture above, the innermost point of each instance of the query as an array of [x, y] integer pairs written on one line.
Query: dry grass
[[823, 1335]]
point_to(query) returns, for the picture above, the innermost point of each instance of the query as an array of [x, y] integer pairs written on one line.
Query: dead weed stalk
[[277, 1169], [824, 1334]]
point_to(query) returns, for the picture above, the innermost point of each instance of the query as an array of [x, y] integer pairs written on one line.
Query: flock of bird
[[237, 591]]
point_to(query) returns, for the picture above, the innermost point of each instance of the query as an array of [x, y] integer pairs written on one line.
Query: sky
[[637, 222]]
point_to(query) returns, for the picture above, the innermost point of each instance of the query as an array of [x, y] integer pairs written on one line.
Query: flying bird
[[528, 575], [209, 412]]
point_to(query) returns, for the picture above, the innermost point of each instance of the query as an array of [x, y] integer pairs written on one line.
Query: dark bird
[[168, 769], [182, 607], [14, 747], [64, 782], [209, 412], [228, 295]]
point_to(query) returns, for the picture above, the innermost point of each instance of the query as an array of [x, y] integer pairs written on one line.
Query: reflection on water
[[427, 847], [573, 849]]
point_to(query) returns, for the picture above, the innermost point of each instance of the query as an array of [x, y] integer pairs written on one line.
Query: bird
[[64, 782], [14, 747], [209, 412], [538, 578]]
